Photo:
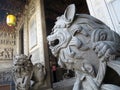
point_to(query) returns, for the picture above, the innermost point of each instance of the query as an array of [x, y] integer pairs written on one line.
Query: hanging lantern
[[11, 20]]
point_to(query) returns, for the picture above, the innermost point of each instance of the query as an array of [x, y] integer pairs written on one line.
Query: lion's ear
[[70, 13]]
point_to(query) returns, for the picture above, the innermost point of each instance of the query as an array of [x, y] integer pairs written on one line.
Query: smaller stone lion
[[86, 45], [24, 71]]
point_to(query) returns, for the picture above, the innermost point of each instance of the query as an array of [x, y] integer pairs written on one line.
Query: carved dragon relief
[[86, 45]]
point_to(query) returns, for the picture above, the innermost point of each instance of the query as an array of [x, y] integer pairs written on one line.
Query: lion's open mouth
[[54, 43], [58, 40]]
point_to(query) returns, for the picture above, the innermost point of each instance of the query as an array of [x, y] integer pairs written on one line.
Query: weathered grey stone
[[65, 84], [86, 45], [39, 76], [24, 71]]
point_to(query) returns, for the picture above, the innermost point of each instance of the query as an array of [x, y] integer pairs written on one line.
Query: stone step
[[66, 84]]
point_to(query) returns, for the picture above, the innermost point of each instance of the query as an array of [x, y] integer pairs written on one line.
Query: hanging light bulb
[[11, 20]]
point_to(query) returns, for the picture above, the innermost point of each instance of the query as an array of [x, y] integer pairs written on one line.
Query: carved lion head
[[72, 38]]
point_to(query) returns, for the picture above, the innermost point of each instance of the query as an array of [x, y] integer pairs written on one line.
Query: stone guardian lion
[[86, 45]]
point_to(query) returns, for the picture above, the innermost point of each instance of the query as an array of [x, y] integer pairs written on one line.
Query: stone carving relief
[[5, 76], [7, 38], [6, 53], [31, 8], [7, 45], [24, 72], [86, 45]]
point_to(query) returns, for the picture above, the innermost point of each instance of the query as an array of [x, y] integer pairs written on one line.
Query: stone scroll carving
[[24, 72], [88, 46]]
